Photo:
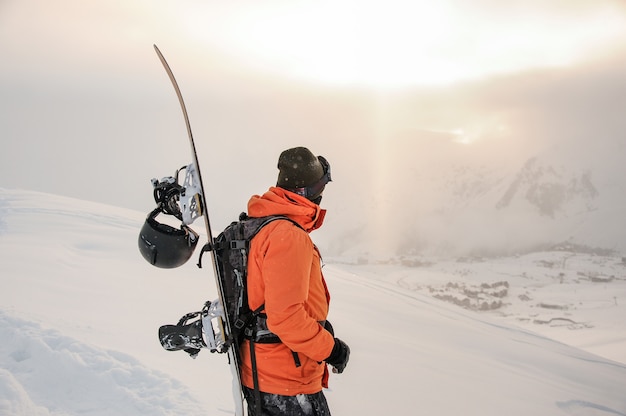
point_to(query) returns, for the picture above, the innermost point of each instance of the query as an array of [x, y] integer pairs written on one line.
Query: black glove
[[339, 356], [329, 328]]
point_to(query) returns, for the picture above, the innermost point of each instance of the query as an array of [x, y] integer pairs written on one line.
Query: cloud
[[89, 112]]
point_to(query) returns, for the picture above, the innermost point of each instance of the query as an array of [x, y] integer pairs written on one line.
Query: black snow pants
[[278, 405]]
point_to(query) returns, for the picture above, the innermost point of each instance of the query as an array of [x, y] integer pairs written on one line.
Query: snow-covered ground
[[538, 334]]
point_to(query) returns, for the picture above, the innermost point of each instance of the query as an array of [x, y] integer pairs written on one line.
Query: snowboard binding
[[181, 201], [196, 330], [161, 244]]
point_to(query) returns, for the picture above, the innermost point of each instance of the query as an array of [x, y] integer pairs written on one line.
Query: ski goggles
[[317, 188]]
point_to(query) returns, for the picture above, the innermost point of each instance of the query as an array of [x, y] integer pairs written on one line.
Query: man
[[284, 274]]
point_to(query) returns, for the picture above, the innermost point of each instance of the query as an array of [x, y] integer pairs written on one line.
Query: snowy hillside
[[536, 334]]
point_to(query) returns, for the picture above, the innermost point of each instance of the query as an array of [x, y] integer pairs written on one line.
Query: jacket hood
[[278, 201]]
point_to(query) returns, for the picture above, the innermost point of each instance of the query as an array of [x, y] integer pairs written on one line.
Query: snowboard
[[193, 204]]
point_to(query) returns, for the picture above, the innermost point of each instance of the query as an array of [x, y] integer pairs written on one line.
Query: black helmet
[[165, 246]]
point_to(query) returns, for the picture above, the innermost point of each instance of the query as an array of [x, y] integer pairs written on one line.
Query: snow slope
[[80, 308]]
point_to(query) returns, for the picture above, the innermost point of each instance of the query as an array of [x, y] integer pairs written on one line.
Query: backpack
[[232, 247]]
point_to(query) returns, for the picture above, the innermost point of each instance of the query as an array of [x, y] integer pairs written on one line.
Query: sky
[[87, 111]]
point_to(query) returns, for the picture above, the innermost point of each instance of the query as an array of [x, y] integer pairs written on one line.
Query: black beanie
[[298, 168]]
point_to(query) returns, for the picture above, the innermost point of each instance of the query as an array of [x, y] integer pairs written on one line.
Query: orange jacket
[[284, 273]]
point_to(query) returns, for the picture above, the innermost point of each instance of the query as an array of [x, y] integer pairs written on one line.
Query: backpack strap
[[255, 372], [266, 220]]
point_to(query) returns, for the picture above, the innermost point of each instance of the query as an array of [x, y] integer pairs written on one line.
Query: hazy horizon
[[403, 98]]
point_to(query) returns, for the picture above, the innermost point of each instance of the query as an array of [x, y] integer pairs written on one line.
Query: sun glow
[[400, 42]]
